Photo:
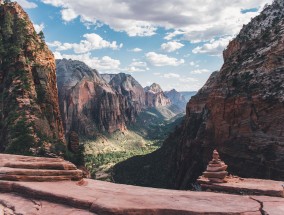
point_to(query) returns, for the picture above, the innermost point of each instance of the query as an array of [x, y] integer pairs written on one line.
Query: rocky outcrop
[[29, 111], [101, 197], [239, 111], [241, 186], [89, 105], [98, 197], [12, 204], [155, 96], [108, 77], [177, 99], [38, 169], [127, 86]]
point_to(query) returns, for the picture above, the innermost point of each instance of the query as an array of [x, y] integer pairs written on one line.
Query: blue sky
[[175, 43]]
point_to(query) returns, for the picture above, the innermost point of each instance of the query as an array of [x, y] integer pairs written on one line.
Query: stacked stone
[[216, 169]]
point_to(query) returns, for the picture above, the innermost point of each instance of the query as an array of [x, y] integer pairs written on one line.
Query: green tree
[[22, 140], [7, 28], [41, 35], [19, 36], [2, 49]]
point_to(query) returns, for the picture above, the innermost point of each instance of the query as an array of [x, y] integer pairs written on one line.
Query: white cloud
[[101, 64], [214, 47], [195, 20], [188, 80], [133, 69], [162, 60], [68, 14], [57, 55], [171, 35], [200, 71], [171, 75], [136, 50], [92, 42], [39, 27], [181, 82], [27, 4], [171, 46], [138, 64]]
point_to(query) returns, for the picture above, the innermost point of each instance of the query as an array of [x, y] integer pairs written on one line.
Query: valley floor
[[152, 127]]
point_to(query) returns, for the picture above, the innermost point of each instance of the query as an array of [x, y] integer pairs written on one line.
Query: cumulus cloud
[[200, 71], [192, 63], [172, 35], [138, 64], [195, 20], [105, 63], [92, 42], [171, 46], [188, 80], [162, 60], [39, 27], [68, 14], [27, 4], [136, 50], [181, 82], [214, 47], [133, 69], [171, 75]]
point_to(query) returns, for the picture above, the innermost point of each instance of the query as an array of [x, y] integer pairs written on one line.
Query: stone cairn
[[216, 169]]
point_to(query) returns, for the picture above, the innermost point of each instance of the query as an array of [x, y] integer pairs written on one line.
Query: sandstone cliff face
[[29, 111], [127, 86], [176, 98], [155, 96], [88, 104], [239, 111]]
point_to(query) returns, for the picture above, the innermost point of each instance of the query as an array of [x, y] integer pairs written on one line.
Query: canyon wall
[[29, 112]]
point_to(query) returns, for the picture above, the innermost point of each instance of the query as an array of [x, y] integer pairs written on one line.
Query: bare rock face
[[88, 103], [176, 98], [239, 111], [108, 77], [127, 86], [29, 111], [155, 96]]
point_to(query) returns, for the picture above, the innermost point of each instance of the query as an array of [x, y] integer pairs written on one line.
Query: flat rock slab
[[11, 204], [107, 198], [246, 186], [27, 162], [25, 168], [271, 205]]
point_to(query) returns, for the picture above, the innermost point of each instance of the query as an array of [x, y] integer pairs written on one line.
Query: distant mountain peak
[[154, 88]]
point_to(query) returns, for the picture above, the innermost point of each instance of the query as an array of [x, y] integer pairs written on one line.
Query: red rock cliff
[[29, 111], [155, 96], [89, 105]]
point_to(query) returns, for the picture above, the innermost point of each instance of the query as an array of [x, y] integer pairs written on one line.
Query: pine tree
[[7, 28], [41, 35]]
